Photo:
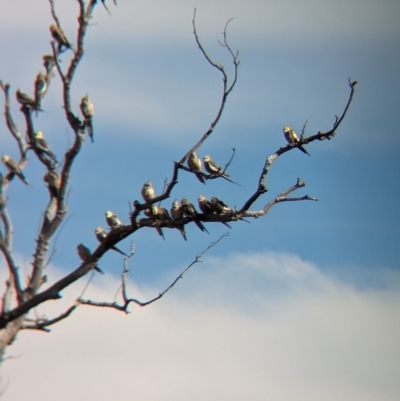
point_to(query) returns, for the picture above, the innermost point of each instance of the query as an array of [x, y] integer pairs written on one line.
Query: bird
[[25, 100], [160, 213], [212, 167], [151, 213], [189, 210], [48, 62], [42, 146], [59, 35], [219, 207], [84, 254], [205, 205], [176, 214], [147, 191], [112, 220], [87, 110], [292, 137], [14, 168], [40, 89], [101, 235], [53, 183], [207, 208], [194, 163]]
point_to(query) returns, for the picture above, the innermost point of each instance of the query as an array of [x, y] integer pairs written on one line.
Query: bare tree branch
[[226, 90], [320, 136], [126, 301]]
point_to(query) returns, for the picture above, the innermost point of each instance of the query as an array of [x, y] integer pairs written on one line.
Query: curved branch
[[124, 306], [261, 189], [226, 90]]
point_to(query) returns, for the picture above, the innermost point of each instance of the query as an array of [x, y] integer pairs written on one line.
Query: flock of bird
[[156, 213]]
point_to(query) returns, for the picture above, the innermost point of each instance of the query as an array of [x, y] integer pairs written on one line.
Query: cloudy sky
[[302, 304]]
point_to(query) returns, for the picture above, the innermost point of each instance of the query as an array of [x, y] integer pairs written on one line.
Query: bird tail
[[303, 149]]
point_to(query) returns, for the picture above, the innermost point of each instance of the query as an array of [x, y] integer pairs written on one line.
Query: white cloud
[[254, 327]]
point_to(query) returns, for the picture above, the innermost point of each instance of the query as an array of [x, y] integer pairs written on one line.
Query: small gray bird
[[292, 137], [176, 214], [40, 89], [53, 183], [147, 191], [87, 110], [42, 146], [189, 210], [112, 220], [25, 100], [151, 213], [101, 235], [194, 163], [84, 254], [219, 207], [14, 168], [48, 62], [212, 167], [60, 37], [207, 208]]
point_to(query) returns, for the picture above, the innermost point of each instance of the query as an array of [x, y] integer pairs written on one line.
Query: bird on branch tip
[[59, 36]]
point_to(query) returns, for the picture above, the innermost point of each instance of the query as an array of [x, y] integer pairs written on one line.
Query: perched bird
[[207, 208], [212, 167], [59, 35], [48, 62], [292, 137], [219, 207], [176, 214], [147, 191], [101, 236], [84, 253], [112, 220], [40, 89], [42, 146], [160, 213], [194, 163], [151, 213], [189, 210], [25, 100], [87, 110], [53, 183], [205, 205], [14, 168]]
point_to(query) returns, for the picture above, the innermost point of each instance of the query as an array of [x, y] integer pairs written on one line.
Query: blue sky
[[154, 96]]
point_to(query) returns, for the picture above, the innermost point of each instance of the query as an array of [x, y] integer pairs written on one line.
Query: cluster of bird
[[37, 142], [157, 213]]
